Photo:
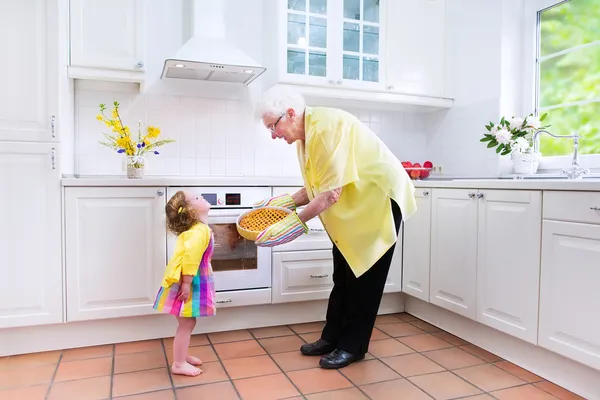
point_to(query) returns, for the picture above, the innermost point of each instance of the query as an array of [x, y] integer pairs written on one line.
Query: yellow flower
[[153, 132], [146, 142], [99, 117], [115, 114]]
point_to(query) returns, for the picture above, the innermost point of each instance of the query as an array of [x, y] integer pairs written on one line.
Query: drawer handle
[[224, 301], [595, 208], [320, 276], [471, 195]]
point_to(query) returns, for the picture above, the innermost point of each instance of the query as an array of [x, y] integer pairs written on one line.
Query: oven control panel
[[228, 197]]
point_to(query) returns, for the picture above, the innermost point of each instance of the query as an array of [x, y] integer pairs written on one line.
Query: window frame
[[531, 84]]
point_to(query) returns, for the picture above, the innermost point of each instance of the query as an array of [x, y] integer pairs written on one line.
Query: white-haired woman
[[361, 192]]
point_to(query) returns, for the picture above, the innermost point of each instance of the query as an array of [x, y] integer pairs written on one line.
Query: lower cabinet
[[302, 275], [30, 235], [417, 248], [115, 250], [485, 257], [569, 295]]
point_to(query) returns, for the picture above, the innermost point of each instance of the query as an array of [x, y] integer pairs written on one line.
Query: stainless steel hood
[[208, 55]]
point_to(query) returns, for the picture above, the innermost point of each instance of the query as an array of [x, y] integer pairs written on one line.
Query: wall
[[484, 60], [213, 125]]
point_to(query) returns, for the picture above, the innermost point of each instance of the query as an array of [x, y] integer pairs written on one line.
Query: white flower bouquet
[[513, 136]]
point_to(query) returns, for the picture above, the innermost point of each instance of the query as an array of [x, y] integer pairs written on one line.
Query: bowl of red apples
[[418, 171]]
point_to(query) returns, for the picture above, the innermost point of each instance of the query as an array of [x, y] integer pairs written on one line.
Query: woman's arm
[[319, 204], [300, 197]]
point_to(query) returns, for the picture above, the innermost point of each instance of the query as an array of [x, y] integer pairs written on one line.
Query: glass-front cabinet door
[[308, 48], [332, 42], [361, 58]]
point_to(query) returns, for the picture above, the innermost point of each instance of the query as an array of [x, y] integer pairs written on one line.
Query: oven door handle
[[226, 213]]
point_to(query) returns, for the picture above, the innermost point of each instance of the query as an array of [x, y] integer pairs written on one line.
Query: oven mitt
[[282, 232], [284, 200]]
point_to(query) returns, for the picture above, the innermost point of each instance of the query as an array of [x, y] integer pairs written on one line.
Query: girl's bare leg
[[181, 343]]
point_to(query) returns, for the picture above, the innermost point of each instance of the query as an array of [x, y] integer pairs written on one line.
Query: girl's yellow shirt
[[189, 249], [339, 151]]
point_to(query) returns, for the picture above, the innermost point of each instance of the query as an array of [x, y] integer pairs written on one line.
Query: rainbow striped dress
[[201, 301]]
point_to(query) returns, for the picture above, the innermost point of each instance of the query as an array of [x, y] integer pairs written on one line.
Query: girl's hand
[[184, 292]]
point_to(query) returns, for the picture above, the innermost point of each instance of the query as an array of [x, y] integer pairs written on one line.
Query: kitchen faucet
[[574, 172]]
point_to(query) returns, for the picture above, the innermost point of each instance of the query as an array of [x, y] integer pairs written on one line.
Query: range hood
[[208, 55]]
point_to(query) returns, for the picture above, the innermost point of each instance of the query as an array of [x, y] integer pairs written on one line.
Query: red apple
[[406, 164], [428, 164]]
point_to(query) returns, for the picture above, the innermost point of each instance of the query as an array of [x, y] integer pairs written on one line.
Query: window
[[567, 78]]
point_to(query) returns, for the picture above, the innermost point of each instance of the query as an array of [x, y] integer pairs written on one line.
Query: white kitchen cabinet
[[30, 235], [485, 247], [334, 43], [569, 296], [108, 39], [302, 275], [115, 243], [454, 250], [508, 261], [415, 47], [417, 248], [29, 73]]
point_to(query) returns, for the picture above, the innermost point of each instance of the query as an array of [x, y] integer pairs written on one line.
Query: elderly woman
[[361, 192]]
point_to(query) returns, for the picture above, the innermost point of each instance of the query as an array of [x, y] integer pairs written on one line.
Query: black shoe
[[318, 348], [339, 359]]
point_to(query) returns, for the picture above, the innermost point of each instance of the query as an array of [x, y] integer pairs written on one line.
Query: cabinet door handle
[[595, 208], [339, 82], [331, 82], [224, 301], [480, 195], [471, 195], [52, 126], [425, 193], [160, 192], [390, 87], [319, 276], [140, 64]]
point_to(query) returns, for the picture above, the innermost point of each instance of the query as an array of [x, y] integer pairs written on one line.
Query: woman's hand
[[184, 291], [284, 200], [282, 232]]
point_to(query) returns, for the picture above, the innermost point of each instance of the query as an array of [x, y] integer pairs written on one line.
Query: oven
[[237, 263]]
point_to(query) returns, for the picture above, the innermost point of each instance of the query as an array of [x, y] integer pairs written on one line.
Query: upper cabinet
[[376, 51], [29, 75], [100, 52], [415, 47], [331, 42]]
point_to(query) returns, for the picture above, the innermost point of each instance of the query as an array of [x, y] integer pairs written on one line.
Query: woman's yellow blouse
[[340, 152]]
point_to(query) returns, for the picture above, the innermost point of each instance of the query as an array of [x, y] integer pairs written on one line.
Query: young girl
[[188, 289]]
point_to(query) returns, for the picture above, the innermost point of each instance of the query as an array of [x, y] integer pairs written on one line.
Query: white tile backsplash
[[214, 137]]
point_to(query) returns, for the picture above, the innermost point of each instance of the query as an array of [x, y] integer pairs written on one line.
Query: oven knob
[[220, 202]]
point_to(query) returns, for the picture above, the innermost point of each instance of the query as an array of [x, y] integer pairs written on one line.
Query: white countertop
[[591, 184], [229, 181]]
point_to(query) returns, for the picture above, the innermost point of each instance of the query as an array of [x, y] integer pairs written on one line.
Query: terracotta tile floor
[[408, 360]]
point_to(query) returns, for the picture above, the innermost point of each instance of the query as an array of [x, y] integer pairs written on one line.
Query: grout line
[[53, 376], [277, 365], [223, 365], [112, 371], [162, 343]]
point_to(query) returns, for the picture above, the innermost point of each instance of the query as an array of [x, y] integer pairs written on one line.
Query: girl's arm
[[319, 204]]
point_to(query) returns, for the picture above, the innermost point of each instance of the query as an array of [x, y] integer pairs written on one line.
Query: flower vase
[[135, 167], [525, 163]]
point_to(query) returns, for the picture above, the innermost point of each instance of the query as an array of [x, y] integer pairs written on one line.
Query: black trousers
[[354, 302]]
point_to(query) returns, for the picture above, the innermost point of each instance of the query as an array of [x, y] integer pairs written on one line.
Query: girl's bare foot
[[185, 369], [193, 360]]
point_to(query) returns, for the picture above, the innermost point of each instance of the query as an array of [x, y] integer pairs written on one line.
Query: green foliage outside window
[[570, 77]]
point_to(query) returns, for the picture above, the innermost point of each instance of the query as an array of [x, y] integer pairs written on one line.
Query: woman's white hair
[[277, 100]]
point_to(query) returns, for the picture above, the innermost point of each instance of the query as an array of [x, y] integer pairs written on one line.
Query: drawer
[[572, 206], [237, 298], [302, 275]]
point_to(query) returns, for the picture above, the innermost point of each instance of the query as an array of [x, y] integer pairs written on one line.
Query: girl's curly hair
[[180, 215]]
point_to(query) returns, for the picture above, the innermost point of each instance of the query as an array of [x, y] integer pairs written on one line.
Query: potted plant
[[514, 136], [120, 140]]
